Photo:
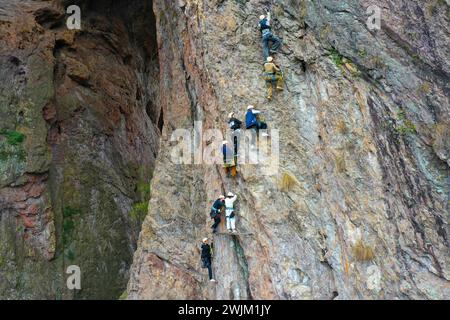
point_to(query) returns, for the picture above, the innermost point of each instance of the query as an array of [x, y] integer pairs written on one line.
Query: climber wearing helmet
[[235, 126], [268, 36], [229, 163], [207, 257], [252, 121], [229, 212], [215, 212], [272, 74]]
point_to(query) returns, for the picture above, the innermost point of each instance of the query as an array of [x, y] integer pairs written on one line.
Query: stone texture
[[86, 103], [364, 124], [364, 128]]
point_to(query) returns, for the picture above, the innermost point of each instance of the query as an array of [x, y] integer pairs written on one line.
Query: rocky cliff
[[79, 120], [357, 208]]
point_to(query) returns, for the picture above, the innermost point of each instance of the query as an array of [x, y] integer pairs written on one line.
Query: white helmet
[[224, 142], [261, 17], [250, 107], [269, 59], [230, 194], [205, 239], [231, 115], [221, 196]]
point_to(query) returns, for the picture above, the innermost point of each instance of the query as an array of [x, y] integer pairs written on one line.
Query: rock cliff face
[[79, 120], [358, 208]]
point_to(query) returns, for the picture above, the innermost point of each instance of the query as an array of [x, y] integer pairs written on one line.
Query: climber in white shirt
[[229, 212]]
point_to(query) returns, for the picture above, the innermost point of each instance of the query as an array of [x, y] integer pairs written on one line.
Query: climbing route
[[333, 129]]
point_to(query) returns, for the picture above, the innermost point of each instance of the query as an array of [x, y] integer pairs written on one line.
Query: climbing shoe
[[280, 88]]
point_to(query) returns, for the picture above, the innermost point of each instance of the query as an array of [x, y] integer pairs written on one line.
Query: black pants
[[207, 263], [236, 137], [258, 126], [216, 223]]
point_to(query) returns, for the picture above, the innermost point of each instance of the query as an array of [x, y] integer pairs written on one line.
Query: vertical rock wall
[[364, 130], [358, 208], [83, 106]]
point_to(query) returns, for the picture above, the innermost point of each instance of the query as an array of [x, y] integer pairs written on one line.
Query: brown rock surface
[[368, 215], [78, 114], [358, 208]]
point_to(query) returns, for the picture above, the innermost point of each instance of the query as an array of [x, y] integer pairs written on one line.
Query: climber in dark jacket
[[233, 122], [215, 212], [251, 121], [268, 36], [206, 258]]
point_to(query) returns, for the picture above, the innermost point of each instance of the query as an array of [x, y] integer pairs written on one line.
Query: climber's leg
[[216, 223], [279, 82], [227, 171], [233, 171], [265, 45], [229, 224], [235, 142], [233, 223], [269, 89], [276, 43], [208, 265], [262, 125]]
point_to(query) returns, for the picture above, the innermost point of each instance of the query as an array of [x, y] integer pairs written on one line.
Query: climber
[[268, 36], [229, 212], [235, 126], [215, 212], [272, 74], [206, 258], [253, 120], [229, 162]]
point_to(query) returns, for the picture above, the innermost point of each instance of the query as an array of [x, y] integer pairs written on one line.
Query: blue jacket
[[227, 153], [250, 119]]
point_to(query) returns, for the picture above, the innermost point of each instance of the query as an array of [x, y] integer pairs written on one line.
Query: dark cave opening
[[161, 121]]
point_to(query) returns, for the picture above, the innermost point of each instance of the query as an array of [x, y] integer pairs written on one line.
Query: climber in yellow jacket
[[272, 74]]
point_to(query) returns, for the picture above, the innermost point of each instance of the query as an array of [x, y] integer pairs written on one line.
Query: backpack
[[213, 214], [263, 25], [235, 124]]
